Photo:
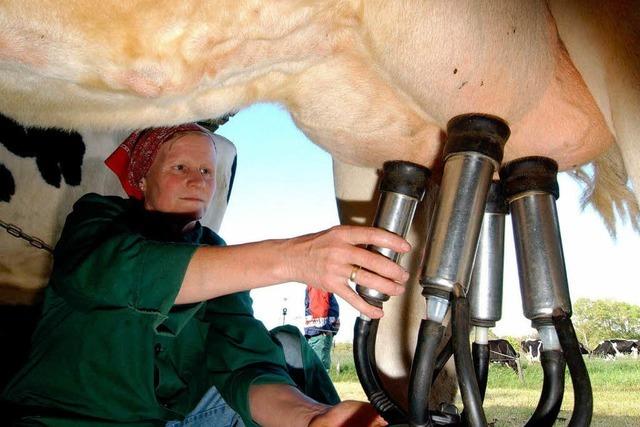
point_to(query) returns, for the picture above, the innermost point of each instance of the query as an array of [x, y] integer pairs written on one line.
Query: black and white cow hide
[[531, 349], [58, 154]]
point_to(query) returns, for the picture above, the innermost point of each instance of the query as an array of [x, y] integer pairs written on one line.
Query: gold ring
[[354, 273]]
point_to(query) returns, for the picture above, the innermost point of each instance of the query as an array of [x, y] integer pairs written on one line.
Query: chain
[[16, 231], [503, 355]]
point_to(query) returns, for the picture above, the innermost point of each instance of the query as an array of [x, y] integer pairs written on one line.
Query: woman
[[147, 311]]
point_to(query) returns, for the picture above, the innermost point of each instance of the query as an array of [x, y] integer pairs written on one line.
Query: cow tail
[[606, 189]]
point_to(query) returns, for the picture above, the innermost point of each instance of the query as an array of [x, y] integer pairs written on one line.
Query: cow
[[583, 349], [612, 348], [626, 346], [532, 349], [605, 349], [501, 351], [368, 81]]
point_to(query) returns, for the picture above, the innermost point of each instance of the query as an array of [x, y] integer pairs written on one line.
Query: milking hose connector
[[583, 395], [485, 288], [472, 154], [553, 367], [531, 187], [402, 186]]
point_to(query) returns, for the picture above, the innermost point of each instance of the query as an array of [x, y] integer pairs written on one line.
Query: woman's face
[[182, 177]]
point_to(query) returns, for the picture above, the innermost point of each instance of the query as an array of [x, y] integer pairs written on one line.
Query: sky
[[284, 188]]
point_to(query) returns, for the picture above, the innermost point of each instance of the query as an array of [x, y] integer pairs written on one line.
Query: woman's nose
[[195, 178]]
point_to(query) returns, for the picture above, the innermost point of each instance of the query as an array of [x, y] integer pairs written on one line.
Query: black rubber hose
[[583, 396], [443, 357], [550, 401], [480, 354], [364, 341], [473, 412], [429, 337]]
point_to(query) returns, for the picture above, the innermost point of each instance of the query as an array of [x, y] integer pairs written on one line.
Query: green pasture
[[510, 401]]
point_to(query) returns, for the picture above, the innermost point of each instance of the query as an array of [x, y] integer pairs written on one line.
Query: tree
[[598, 320]]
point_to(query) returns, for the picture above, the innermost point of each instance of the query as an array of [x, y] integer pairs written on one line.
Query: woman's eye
[[179, 167], [205, 171]]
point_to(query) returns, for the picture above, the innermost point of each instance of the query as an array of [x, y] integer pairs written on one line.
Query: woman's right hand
[[326, 259]]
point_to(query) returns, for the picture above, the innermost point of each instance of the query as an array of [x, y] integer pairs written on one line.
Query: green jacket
[[112, 348]]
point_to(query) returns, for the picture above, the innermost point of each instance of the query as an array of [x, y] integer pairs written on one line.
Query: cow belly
[[368, 82]]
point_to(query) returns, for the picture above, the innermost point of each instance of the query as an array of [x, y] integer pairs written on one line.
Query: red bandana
[[133, 158]]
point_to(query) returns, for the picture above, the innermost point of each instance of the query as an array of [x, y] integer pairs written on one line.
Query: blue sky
[[284, 188]]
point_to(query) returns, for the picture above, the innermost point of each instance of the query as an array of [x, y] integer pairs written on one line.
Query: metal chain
[[504, 355], [16, 231]]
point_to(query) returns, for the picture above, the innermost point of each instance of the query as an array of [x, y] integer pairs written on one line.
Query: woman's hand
[[325, 260], [285, 406], [349, 413]]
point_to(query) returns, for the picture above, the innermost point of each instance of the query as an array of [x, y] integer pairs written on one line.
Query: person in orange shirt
[[322, 322]]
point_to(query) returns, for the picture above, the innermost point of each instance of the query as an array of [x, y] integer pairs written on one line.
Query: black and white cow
[[532, 349], [501, 351], [583, 349], [613, 348]]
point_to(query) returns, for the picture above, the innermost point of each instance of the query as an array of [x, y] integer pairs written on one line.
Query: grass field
[[510, 402]]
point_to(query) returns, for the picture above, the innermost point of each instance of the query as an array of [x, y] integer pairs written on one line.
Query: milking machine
[[401, 188], [472, 154], [463, 268], [485, 290], [531, 188]]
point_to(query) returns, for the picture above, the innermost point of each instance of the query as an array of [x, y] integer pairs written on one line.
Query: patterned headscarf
[[133, 158]]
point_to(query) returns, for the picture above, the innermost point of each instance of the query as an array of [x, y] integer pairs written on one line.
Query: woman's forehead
[[196, 145]]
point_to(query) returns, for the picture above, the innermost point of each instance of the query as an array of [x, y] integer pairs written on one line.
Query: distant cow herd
[[610, 349], [615, 348], [502, 352]]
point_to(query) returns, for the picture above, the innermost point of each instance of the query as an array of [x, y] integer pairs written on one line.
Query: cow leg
[[356, 194]]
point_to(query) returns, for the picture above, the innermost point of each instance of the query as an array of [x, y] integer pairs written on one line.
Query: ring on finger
[[354, 274]]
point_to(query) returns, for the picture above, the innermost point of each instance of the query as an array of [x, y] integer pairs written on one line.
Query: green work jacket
[[111, 346]]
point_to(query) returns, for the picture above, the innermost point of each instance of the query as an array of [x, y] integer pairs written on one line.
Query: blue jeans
[[211, 411], [322, 345]]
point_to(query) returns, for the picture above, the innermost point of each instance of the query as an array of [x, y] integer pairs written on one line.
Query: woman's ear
[[142, 184]]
